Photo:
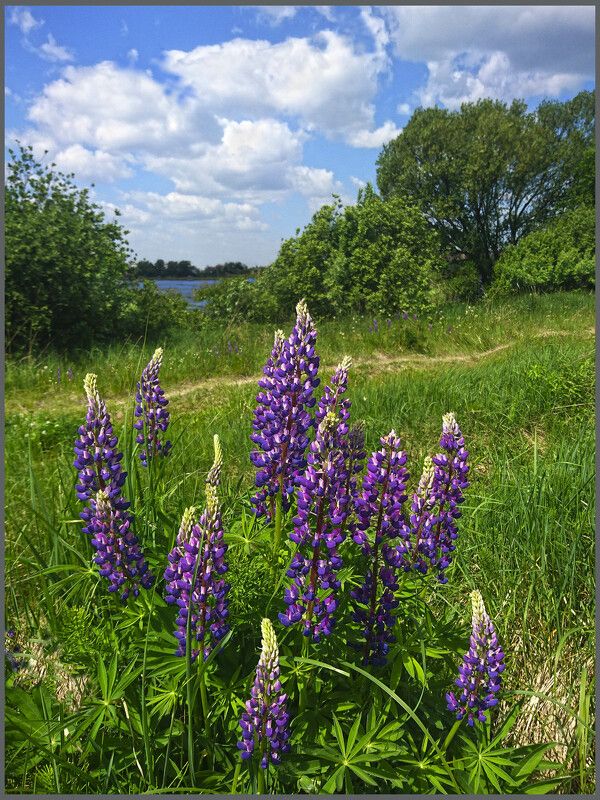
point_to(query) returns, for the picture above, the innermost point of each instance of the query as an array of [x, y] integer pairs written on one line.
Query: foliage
[[375, 256], [64, 261], [488, 174], [160, 269], [561, 256]]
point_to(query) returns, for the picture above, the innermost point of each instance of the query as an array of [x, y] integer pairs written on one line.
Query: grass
[[526, 410]]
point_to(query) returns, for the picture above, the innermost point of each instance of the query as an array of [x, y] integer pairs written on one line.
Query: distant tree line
[[185, 269]]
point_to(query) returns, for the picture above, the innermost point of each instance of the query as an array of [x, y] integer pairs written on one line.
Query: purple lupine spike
[[379, 506], [101, 475], [281, 419], [435, 506], [265, 721], [151, 411], [196, 564], [323, 504], [118, 553], [480, 673]]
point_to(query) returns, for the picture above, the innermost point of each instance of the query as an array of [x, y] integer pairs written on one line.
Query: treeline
[[489, 198], [185, 269]]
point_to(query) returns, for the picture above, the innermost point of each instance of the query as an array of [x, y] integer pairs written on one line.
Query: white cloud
[[376, 27], [89, 164], [52, 51], [275, 15], [375, 138], [116, 109], [358, 182], [326, 11], [494, 51], [324, 81], [25, 20], [132, 55], [124, 28], [403, 108]]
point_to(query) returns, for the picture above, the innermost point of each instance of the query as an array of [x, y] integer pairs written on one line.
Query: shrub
[[66, 266], [561, 256]]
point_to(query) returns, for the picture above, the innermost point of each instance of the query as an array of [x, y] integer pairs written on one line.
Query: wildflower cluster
[[193, 576], [265, 721], [150, 410], [480, 673]]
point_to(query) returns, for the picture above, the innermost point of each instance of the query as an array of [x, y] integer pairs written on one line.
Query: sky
[[218, 131]]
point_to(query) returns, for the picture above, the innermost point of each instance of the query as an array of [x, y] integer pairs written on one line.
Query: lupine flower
[[118, 553], [480, 673], [58, 375], [435, 505], [97, 459], [70, 374], [101, 477], [281, 419], [389, 322], [196, 564], [151, 411], [265, 722], [404, 315], [380, 502], [323, 504]]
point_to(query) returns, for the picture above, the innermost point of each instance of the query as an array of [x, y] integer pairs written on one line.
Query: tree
[[484, 176], [67, 268]]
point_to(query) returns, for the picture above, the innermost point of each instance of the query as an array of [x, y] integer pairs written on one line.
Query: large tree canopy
[[490, 173]]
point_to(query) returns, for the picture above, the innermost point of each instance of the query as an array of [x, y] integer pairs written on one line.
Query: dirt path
[[374, 364]]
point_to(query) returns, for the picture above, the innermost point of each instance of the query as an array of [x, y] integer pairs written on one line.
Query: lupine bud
[[380, 503], [435, 505], [281, 419], [196, 563], [151, 411], [265, 722], [323, 507], [100, 474], [480, 673], [118, 553]]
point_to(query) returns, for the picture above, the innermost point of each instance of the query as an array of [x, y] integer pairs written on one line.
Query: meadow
[[100, 704]]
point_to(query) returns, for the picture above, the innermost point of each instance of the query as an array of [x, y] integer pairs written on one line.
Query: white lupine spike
[[345, 364], [270, 650], [156, 359], [426, 480], [479, 612], [91, 389], [449, 424], [303, 317], [187, 523], [214, 476]]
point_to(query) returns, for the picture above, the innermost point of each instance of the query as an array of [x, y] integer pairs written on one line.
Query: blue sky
[[217, 131]]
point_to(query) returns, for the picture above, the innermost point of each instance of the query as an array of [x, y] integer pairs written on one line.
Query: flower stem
[[261, 780], [278, 524], [204, 699]]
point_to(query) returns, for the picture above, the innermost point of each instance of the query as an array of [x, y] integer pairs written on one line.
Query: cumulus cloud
[[24, 20], [132, 55], [403, 108], [494, 51], [89, 164], [52, 51], [324, 81], [375, 138]]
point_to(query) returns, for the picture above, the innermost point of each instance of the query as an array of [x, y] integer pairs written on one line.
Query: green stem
[[190, 706], [204, 699], [451, 735], [302, 701], [147, 749], [261, 780], [164, 780], [278, 525]]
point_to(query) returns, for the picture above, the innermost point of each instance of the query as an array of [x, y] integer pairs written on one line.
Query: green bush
[[66, 266], [561, 256], [377, 256]]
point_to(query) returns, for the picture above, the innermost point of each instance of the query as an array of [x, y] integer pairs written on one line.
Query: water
[[185, 288]]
